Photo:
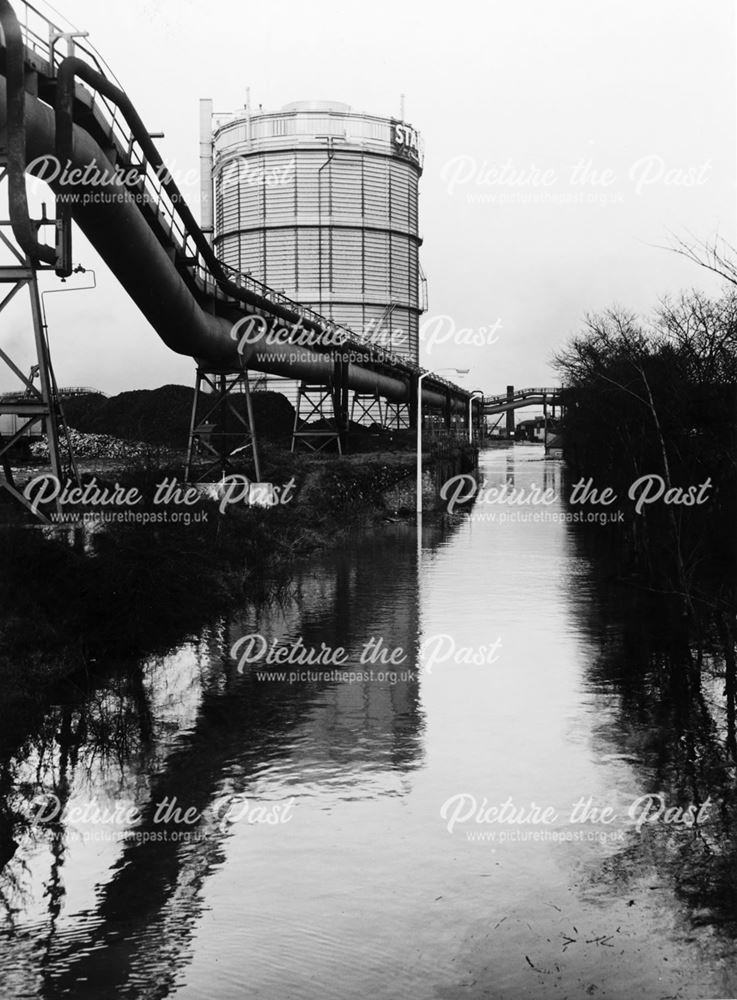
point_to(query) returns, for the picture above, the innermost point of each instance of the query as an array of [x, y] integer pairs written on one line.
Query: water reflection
[[661, 705], [192, 728], [365, 891]]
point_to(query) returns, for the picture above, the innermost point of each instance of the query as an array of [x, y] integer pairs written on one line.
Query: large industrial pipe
[[14, 107], [114, 224]]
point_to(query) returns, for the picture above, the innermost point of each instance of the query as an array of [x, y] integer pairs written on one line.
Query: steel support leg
[[222, 431], [317, 404], [34, 410]]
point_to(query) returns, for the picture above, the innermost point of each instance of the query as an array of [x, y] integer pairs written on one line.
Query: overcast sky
[[614, 121]]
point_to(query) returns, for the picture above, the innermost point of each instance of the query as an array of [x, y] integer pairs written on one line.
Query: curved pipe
[[69, 70], [119, 232], [193, 336], [15, 109]]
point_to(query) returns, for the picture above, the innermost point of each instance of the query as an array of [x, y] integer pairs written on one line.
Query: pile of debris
[[162, 416], [96, 446]]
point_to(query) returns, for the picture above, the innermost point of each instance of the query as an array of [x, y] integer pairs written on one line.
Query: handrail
[[523, 393], [80, 390]]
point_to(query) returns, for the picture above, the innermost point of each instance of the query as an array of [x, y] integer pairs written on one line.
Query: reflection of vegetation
[[672, 722], [195, 733], [660, 400], [94, 740]]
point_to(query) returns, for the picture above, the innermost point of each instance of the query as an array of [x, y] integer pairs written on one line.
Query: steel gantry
[[35, 409]]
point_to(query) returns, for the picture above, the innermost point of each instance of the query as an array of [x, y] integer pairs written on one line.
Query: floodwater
[[317, 836]]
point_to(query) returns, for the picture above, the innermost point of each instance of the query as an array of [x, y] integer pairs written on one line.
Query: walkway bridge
[[513, 399]]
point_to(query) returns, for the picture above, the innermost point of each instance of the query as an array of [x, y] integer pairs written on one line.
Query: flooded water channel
[[412, 817]]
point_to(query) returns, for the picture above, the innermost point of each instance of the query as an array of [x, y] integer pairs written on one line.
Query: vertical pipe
[[415, 403], [418, 421], [510, 412], [222, 390], [340, 403], [207, 215], [344, 402], [192, 425], [545, 423], [44, 370], [252, 427]]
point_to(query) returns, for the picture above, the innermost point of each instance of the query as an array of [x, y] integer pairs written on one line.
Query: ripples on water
[[364, 891]]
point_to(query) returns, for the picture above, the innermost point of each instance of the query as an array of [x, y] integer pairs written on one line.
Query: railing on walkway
[[518, 394]]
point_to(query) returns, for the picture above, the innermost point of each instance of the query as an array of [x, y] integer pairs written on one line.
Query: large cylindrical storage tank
[[320, 202]]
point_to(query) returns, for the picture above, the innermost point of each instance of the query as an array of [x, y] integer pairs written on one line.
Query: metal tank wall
[[321, 202]]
